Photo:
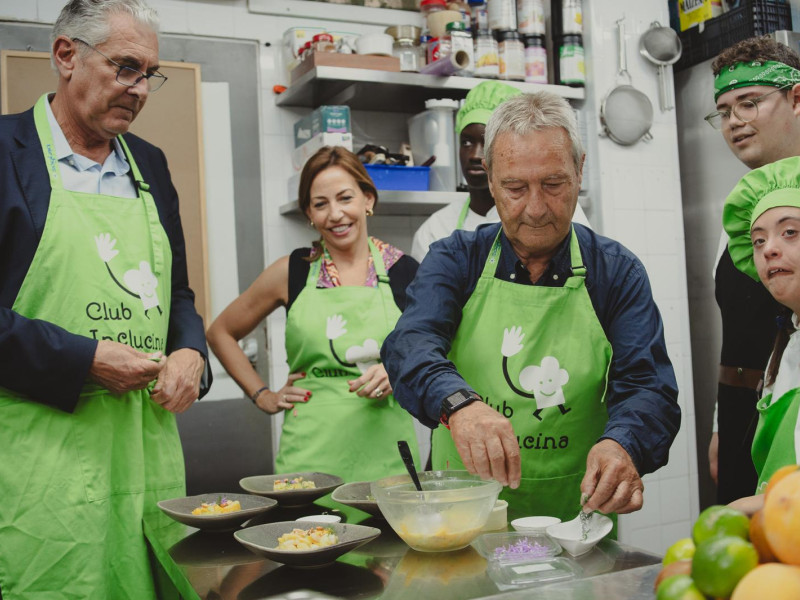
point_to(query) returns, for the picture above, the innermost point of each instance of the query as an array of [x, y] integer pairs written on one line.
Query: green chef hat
[[770, 186], [481, 102]]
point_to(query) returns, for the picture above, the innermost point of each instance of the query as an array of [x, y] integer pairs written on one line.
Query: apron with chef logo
[[539, 356], [777, 439], [79, 485], [334, 335]]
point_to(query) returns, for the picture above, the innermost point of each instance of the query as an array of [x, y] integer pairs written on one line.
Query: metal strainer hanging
[[662, 47]]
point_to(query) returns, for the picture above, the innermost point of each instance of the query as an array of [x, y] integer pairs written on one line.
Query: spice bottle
[[535, 59], [480, 17], [487, 62], [512, 55], [571, 67], [530, 17], [502, 15], [323, 42], [571, 17]]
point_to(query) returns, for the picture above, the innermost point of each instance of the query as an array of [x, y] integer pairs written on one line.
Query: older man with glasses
[[757, 94], [100, 342]]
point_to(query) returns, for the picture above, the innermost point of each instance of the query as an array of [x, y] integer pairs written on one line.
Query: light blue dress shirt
[[81, 174]]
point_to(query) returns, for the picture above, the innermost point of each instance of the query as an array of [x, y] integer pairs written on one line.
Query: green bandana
[[745, 74], [770, 186]]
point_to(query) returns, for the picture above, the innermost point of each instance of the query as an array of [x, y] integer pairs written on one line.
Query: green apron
[[462, 216], [539, 356], [79, 485], [774, 443], [334, 335]]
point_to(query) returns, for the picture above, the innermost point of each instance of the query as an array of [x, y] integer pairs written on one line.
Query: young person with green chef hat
[[342, 297], [537, 341], [762, 218], [479, 207], [756, 90], [100, 342]]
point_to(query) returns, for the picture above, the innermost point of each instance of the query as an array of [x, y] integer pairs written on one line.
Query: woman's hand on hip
[[285, 398], [373, 383]]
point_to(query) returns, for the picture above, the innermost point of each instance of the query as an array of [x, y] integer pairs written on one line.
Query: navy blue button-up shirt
[[642, 392]]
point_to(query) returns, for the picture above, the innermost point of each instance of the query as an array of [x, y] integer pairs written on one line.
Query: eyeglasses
[[128, 76], [745, 110]]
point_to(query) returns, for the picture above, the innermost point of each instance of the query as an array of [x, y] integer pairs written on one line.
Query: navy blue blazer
[[40, 359]]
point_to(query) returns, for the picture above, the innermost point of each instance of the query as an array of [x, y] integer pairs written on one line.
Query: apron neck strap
[[577, 267], [377, 261], [462, 218], [46, 139]]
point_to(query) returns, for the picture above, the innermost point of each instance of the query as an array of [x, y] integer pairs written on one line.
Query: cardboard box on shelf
[[325, 119], [302, 153], [352, 61]]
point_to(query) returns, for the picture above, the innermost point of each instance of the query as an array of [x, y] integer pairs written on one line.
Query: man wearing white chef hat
[[479, 206], [537, 341], [100, 342]]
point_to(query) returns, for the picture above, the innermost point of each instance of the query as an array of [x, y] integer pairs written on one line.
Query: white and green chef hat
[[481, 102], [770, 186]]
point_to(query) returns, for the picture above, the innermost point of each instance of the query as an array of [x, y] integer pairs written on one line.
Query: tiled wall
[[635, 195]]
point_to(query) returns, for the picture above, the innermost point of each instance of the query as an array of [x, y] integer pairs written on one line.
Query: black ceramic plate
[[263, 486], [263, 539], [358, 495], [181, 509]]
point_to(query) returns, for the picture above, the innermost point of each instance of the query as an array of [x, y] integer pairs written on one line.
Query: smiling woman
[[342, 296]]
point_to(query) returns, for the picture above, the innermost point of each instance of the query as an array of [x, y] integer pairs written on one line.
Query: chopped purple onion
[[521, 550]]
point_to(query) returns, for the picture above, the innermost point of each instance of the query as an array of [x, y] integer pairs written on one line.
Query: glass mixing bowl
[[446, 515]]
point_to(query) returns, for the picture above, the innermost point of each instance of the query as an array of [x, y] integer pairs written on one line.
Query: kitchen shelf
[[400, 203], [365, 89]]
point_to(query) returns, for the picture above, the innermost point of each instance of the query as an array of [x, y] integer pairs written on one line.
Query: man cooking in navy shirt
[[536, 341]]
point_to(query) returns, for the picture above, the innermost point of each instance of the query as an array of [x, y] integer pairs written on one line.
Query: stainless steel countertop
[[214, 566]]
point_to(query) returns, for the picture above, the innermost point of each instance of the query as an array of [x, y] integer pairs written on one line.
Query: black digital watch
[[456, 401]]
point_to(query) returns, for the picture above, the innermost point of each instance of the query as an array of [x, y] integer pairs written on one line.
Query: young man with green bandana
[[479, 207], [762, 218], [756, 93]]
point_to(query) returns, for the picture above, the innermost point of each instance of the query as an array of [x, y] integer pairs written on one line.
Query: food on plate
[[222, 506], [308, 539], [297, 483], [521, 550]]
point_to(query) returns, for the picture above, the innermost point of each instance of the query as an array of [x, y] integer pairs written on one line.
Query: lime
[[720, 562], [720, 520], [678, 587], [680, 550]]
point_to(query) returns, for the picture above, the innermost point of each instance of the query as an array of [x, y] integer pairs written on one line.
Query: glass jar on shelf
[[487, 62], [323, 42], [535, 59], [407, 50], [512, 55]]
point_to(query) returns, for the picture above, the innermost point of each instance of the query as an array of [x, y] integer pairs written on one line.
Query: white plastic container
[[432, 133]]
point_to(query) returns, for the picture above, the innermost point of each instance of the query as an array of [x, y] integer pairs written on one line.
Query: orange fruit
[[759, 538], [778, 475], [782, 518], [773, 582], [679, 587], [720, 520], [720, 562], [678, 567]]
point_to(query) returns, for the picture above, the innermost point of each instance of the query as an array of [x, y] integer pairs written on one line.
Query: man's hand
[[612, 482], [713, 457], [178, 384], [486, 443], [120, 368]]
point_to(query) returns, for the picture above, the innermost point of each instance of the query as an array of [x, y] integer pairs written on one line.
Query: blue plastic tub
[[394, 177]]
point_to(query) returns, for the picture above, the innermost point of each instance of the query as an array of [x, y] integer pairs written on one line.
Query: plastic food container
[[512, 575], [446, 515], [516, 547], [375, 43], [397, 177], [432, 133], [498, 518]]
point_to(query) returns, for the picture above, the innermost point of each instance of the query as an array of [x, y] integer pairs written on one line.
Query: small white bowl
[[534, 524], [321, 518], [569, 534], [375, 43], [498, 518]]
